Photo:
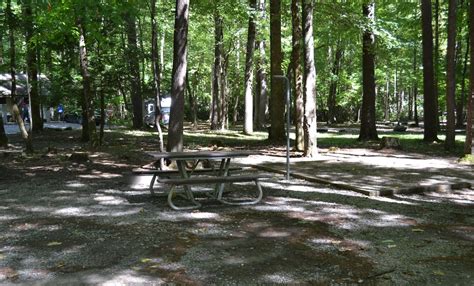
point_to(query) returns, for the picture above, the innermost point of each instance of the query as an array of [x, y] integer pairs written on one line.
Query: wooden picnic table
[[219, 176]]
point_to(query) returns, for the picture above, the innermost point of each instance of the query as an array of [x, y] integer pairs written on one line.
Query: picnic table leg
[[184, 174], [153, 180], [241, 203], [173, 206], [223, 171]]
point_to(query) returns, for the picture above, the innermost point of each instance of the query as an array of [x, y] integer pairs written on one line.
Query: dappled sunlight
[[110, 200], [394, 200], [272, 233], [100, 175], [75, 184], [278, 278], [184, 216], [336, 215], [8, 217], [463, 197], [124, 277], [137, 133], [94, 211]]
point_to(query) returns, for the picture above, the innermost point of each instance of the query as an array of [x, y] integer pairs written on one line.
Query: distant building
[[22, 92]]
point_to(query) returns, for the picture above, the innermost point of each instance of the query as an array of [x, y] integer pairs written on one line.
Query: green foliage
[[336, 24]]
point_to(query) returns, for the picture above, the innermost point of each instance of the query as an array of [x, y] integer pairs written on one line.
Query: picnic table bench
[[219, 177]]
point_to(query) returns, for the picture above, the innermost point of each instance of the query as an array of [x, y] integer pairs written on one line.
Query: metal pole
[[288, 122]]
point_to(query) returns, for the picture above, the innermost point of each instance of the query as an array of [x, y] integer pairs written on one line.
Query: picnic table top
[[193, 155]]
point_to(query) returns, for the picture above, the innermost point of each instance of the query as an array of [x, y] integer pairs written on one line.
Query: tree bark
[[430, 111], [297, 70], [277, 98], [451, 78], [368, 129], [31, 60], [178, 85], [156, 77], [14, 107], [261, 86], [470, 109], [248, 102], [462, 99], [3, 135], [415, 87], [88, 101], [387, 101], [192, 98], [217, 72], [134, 66], [333, 85], [436, 62], [309, 120]]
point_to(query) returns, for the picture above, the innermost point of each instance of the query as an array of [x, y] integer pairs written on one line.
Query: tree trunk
[[451, 78], [387, 101], [261, 86], [277, 98], [31, 60], [14, 108], [333, 85], [178, 85], [436, 62], [297, 70], [217, 72], [368, 129], [3, 135], [462, 99], [470, 108], [429, 96], [88, 101], [192, 98], [309, 120], [415, 87], [248, 102], [156, 77], [134, 66]]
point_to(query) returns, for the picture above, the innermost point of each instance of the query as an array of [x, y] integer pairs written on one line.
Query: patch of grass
[[467, 159]]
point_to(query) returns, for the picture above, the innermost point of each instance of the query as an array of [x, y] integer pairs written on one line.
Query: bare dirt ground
[[73, 223]]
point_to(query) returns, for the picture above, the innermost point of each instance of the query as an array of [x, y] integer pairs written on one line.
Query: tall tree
[[415, 88], [3, 135], [87, 98], [156, 70], [216, 112], [451, 77], [309, 125], [277, 98], [430, 112], [31, 60], [134, 68], [14, 107], [470, 109], [297, 71], [248, 116], [334, 80], [180, 50], [261, 81], [368, 129]]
